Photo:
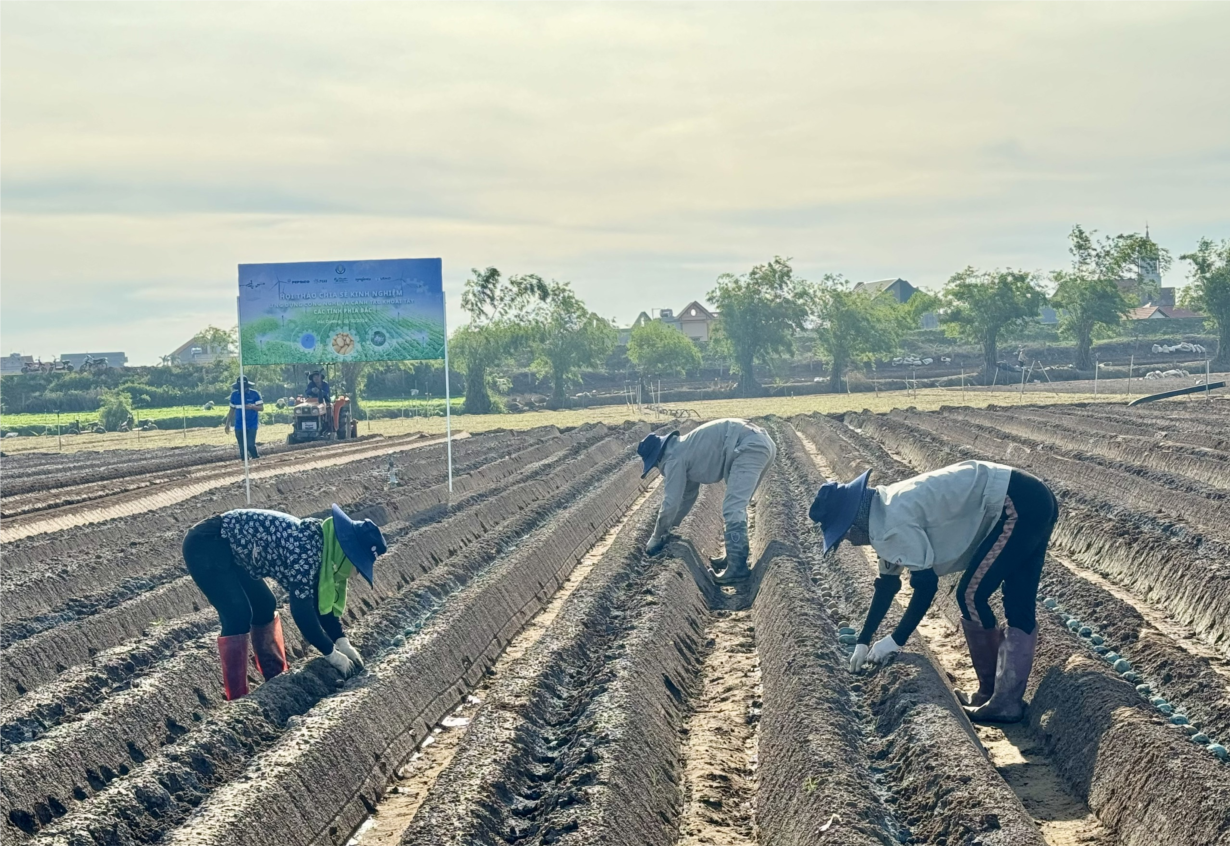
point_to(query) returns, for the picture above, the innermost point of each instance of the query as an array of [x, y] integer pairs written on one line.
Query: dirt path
[[720, 752], [1062, 817], [174, 490], [396, 810]]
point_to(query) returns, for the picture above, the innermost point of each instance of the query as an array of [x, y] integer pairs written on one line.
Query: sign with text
[[322, 312]]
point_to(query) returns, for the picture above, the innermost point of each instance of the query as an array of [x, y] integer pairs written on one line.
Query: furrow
[[1163, 563], [917, 755], [325, 774], [191, 682], [1113, 749], [39, 659]]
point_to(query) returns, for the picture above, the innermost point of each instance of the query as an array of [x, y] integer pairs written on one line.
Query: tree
[[1088, 296], [1128, 256], [979, 305], [657, 350], [1209, 290], [567, 337], [759, 313], [217, 340], [856, 326], [115, 410], [350, 381], [499, 325]]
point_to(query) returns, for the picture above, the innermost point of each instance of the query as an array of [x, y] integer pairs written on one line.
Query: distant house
[[625, 332], [901, 291], [196, 351], [1161, 312], [12, 363], [898, 289], [693, 320], [114, 359]]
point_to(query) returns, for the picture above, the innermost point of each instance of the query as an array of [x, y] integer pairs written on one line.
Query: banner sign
[[323, 312]]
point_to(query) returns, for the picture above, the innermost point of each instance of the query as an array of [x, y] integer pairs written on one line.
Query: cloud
[[637, 150]]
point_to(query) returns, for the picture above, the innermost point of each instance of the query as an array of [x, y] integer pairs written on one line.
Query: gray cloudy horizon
[[636, 150]]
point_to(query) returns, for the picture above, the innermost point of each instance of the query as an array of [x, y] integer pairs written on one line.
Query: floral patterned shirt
[[270, 544]]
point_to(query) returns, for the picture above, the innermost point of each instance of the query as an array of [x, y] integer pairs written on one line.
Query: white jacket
[[701, 457], [937, 520]]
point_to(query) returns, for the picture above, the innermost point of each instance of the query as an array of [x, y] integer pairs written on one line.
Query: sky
[[636, 150]]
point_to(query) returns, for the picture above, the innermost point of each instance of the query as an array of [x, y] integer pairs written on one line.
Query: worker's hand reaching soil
[[657, 545], [343, 644], [342, 663], [882, 650]]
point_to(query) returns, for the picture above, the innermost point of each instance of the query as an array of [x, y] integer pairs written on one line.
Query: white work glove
[[350, 652], [859, 658], [340, 662], [882, 649]]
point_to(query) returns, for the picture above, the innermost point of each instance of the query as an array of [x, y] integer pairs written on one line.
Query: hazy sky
[[636, 150]]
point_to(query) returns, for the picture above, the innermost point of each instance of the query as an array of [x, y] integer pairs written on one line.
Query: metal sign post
[[448, 408], [243, 423]]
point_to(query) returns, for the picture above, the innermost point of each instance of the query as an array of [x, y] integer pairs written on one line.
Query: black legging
[[1012, 556], [241, 600]]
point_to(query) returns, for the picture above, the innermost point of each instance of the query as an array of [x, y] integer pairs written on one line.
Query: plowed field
[[532, 678]]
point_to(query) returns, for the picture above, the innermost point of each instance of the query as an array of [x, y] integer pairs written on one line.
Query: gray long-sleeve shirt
[[701, 457]]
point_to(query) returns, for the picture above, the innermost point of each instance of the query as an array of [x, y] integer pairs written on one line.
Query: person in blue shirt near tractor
[[250, 402]]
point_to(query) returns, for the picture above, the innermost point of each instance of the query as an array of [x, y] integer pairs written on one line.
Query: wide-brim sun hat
[[836, 507], [650, 449], [362, 542]]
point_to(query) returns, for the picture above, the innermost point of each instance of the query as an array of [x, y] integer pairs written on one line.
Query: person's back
[[705, 453]]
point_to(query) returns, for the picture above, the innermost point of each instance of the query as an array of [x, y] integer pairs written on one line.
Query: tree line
[[524, 322]]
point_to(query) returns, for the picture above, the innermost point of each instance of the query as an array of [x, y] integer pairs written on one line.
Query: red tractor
[[313, 420]]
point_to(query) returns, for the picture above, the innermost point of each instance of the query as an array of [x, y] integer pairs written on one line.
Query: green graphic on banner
[[330, 312]]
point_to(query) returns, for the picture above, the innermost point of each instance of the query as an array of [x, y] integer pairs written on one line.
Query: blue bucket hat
[[362, 542], [836, 506], [650, 449]]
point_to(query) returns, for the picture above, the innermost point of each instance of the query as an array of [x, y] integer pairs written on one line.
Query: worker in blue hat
[[230, 555], [733, 451], [991, 523]]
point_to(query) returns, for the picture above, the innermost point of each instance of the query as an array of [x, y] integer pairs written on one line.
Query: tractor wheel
[[343, 423]]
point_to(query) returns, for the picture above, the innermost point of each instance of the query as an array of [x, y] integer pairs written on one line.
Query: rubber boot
[[736, 555], [269, 648], [233, 650], [1016, 659], [984, 652]]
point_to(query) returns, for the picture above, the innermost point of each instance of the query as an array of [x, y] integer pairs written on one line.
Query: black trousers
[[241, 600], [251, 442], [1012, 556]]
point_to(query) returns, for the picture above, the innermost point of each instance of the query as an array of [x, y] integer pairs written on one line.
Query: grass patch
[[926, 400]]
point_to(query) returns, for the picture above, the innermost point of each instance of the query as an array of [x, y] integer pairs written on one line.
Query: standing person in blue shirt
[[252, 405]]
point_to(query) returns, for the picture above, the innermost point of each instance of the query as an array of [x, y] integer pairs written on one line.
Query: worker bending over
[[988, 521], [229, 556], [729, 450]]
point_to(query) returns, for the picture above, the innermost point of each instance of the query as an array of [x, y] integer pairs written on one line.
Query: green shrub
[[115, 410]]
